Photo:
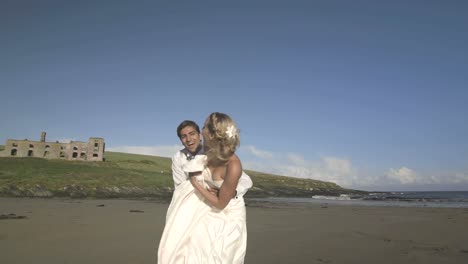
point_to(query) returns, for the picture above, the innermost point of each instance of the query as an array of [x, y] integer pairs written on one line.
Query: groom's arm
[[178, 174]]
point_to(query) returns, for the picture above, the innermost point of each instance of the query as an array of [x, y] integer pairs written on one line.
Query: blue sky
[[368, 94]]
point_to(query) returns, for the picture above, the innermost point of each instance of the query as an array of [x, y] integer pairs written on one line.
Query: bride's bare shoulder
[[234, 159], [234, 164]]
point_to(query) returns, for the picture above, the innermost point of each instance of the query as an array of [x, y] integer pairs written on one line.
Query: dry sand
[[105, 231]]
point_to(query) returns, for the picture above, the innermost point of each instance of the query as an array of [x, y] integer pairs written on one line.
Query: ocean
[[452, 199]]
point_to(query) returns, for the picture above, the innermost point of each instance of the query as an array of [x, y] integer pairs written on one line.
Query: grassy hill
[[125, 175]]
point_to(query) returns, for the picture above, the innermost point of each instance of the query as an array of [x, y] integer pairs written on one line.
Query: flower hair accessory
[[230, 131]]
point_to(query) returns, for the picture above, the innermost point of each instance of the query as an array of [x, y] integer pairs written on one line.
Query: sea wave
[[392, 199], [342, 197]]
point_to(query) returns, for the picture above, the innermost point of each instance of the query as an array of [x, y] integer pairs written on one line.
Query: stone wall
[[93, 150]]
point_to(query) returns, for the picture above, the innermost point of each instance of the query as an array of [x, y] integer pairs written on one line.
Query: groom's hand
[[194, 173]]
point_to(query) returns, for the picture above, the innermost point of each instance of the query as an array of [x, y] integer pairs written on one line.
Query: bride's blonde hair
[[225, 138]]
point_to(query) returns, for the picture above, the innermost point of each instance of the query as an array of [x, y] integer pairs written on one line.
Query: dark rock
[[75, 191], [40, 191], [11, 216]]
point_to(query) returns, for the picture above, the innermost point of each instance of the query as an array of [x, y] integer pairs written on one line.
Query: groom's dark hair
[[187, 123]]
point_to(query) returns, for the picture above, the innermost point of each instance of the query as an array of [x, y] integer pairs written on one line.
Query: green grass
[[148, 173], [275, 185], [119, 170]]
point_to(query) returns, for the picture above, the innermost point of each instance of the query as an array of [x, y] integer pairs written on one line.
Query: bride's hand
[[193, 177], [213, 191]]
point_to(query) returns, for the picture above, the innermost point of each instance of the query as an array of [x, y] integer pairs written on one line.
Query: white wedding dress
[[197, 233]]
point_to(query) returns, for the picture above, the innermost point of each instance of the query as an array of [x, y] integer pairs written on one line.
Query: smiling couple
[[206, 220]]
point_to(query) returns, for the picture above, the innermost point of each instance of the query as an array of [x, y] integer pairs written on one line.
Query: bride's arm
[[228, 188]]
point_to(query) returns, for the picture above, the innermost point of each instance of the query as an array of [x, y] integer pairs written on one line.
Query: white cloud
[[337, 166], [342, 172], [296, 159], [405, 178], [162, 151], [259, 153], [332, 169], [459, 178], [403, 175], [450, 178]]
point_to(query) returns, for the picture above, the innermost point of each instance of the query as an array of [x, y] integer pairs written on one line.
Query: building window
[[62, 154], [31, 146], [75, 148], [83, 155], [61, 147], [30, 153], [96, 144], [14, 144], [47, 146], [13, 152], [95, 155], [75, 154]]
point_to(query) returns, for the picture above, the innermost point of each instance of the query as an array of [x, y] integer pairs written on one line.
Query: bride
[[204, 226]]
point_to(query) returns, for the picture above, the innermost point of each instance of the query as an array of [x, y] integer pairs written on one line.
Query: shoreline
[[311, 202], [123, 231]]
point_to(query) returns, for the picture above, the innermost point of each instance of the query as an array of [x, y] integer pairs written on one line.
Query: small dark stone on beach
[[136, 211], [11, 216], [100, 205], [464, 251]]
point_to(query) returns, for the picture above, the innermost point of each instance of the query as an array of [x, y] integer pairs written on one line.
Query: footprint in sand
[[320, 260]]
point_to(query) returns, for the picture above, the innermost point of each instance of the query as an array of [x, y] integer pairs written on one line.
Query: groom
[[189, 135]]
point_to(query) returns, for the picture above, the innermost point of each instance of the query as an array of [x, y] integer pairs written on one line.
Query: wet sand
[[128, 231]]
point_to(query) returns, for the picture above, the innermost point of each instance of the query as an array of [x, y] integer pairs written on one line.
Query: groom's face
[[190, 138]]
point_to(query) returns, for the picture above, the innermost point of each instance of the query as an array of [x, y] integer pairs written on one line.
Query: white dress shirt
[[179, 176]]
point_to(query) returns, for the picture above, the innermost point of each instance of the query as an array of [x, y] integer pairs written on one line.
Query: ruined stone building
[[93, 150]]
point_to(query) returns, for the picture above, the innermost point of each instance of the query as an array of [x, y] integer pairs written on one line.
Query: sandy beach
[[127, 231]]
